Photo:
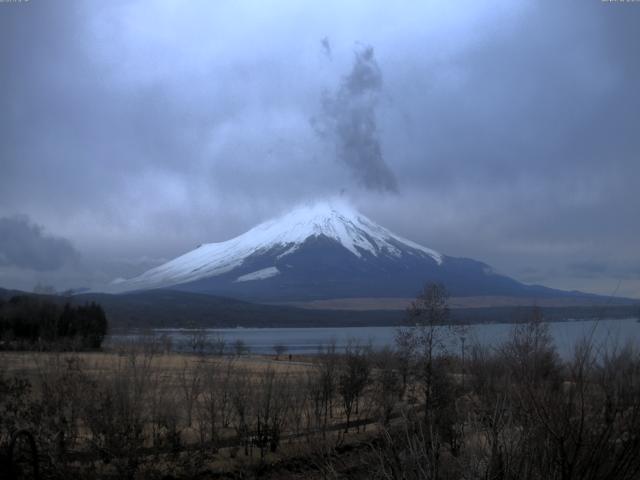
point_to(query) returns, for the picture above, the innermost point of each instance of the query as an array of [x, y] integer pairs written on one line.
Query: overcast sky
[[505, 131]]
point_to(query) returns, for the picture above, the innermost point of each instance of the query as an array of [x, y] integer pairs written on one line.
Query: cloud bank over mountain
[[508, 128]]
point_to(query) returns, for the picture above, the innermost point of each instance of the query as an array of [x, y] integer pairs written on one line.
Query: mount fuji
[[326, 250]]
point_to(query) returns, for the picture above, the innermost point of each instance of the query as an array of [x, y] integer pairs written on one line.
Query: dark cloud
[[326, 46], [349, 119], [25, 245]]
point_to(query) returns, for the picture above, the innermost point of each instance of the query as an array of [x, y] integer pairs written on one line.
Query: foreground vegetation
[[416, 411]]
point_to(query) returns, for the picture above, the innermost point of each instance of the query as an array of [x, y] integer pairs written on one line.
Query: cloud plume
[[349, 121], [24, 244]]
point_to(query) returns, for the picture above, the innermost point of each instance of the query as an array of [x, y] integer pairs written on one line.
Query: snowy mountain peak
[[335, 219], [339, 221]]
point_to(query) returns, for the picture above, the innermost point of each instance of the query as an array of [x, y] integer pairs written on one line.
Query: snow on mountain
[[334, 219], [259, 274]]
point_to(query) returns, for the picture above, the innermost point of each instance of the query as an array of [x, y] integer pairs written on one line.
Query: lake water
[[311, 340]]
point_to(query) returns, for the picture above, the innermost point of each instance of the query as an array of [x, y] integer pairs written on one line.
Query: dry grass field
[[180, 413], [32, 364]]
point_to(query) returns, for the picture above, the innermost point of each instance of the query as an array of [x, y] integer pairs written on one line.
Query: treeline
[[27, 321]]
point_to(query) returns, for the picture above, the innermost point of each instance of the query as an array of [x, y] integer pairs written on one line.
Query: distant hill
[[170, 308], [386, 303], [176, 309]]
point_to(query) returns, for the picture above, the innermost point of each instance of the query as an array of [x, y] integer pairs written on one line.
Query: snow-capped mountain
[[322, 250]]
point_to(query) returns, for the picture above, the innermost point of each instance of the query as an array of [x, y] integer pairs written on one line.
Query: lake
[[310, 340]]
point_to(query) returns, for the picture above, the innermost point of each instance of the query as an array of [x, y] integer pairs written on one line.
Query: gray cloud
[[141, 130], [25, 245], [623, 271], [587, 269], [349, 119]]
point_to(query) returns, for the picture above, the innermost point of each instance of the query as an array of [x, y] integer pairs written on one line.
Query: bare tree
[[242, 402], [215, 404], [271, 411], [210, 406], [190, 382], [198, 341], [115, 413], [353, 378], [387, 384], [279, 349], [218, 344], [327, 379], [423, 338], [240, 347]]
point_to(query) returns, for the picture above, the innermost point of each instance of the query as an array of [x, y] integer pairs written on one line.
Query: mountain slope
[[277, 239], [320, 251]]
